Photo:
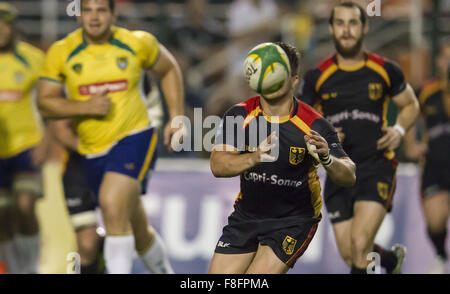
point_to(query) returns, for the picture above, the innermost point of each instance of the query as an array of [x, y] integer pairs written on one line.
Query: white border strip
[[202, 165]]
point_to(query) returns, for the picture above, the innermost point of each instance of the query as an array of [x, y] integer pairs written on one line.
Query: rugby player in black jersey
[[279, 205], [434, 99], [352, 90]]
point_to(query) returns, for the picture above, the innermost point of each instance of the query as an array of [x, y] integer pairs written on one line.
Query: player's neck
[[278, 107], [100, 40], [358, 58]]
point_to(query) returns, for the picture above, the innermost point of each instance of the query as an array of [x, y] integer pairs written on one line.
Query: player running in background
[[100, 64], [80, 200], [22, 148], [352, 89], [279, 206], [434, 99]]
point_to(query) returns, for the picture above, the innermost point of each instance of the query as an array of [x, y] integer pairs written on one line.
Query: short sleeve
[[148, 53], [230, 131], [53, 68], [398, 82], [327, 131], [308, 93]]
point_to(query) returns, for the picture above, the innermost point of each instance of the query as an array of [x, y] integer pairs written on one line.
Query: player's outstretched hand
[[318, 147], [173, 136], [265, 148], [99, 104], [391, 139]]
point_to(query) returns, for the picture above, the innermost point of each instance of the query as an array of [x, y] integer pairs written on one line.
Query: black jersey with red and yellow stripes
[[355, 98], [437, 119], [289, 186]]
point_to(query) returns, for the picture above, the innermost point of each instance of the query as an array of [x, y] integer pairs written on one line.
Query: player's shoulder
[[382, 61], [326, 64], [248, 106], [135, 39], [69, 44], [306, 113], [430, 88], [29, 50]]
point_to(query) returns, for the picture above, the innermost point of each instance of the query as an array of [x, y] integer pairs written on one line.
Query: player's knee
[[25, 205], [360, 243], [88, 248]]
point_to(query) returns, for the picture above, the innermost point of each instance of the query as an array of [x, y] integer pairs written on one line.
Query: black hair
[[293, 55], [111, 4], [363, 16]]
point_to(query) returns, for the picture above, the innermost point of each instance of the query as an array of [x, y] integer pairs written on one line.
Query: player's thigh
[[118, 196], [230, 263], [436, 209], [342, 233], [367, 219], [266, 262]]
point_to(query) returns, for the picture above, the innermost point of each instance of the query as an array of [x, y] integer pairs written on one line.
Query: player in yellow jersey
[[20, 150], [100, 65]]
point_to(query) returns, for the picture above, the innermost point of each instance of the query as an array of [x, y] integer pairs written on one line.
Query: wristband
[[326, 161], [400, 129]]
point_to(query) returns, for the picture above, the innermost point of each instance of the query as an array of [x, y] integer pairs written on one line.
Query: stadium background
[[186, 204]]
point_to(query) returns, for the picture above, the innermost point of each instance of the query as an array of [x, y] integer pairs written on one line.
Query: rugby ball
[[267, 68]]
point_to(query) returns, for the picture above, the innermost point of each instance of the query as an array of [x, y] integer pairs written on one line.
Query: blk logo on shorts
[[296, 155], [383, 190], [129, 166], [289, 245]]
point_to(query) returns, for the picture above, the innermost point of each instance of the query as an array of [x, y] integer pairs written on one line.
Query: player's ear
[[330, 29], [295, 81], [366, 28]]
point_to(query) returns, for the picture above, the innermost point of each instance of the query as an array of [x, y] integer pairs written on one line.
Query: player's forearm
[[408, 108], [59, 107], [408, 115], [342, 171], [173, 89], [225, 164]]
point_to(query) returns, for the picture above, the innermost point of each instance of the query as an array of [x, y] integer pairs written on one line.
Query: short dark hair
[[111, 4], [363, 16], [293, 55]]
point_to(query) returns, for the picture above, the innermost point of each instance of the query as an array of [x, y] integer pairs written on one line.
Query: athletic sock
[[155, 258], [10, 257], [119, 251], [28, 248], [438, 240], [358, 271], [388, 258]]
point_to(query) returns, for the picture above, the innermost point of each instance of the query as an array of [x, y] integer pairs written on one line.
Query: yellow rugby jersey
[[88, 69], [20, 128]]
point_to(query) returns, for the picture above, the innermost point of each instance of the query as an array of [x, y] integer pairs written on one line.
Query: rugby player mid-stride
[[100, 65], [352, 89], [22, 148], [278, 209], [434, 99]]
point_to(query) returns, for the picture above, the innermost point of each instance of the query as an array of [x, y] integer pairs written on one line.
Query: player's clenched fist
[[99, 104]]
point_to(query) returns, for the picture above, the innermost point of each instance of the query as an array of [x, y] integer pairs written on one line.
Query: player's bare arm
[[63, 133], [231, 163], [408, 111], [52, 104], [340, 170], [168, 71]]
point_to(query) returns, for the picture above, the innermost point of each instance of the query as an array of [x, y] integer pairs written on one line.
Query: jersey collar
[[281, 119]]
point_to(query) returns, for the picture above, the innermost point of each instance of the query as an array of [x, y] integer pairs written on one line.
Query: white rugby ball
[[267, 68]]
